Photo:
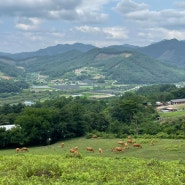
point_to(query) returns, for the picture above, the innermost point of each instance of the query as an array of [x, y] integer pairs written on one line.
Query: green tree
[[35, 125]]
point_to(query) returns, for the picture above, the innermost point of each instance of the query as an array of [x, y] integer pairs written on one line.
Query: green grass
[[163, 149], [172, 114], [161, 164]]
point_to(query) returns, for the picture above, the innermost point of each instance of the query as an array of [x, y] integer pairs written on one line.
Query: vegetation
[[55, 165], [49, 169], [8, 86], [64, 118]]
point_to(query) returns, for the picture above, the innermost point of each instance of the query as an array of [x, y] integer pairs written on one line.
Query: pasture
[[162, 163], [163, 149]]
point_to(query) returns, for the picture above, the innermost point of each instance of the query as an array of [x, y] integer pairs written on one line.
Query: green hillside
[[124, 67], [8, 68]]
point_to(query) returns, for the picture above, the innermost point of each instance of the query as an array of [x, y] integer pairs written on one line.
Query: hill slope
[[125, 67], [168, 51], [50, 51]]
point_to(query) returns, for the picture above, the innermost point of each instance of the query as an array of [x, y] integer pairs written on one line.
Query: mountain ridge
[[161, 62]]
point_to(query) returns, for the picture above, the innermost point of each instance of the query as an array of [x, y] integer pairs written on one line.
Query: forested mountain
[[125, 67], [168, 51], [50, 51], [9, 68], [162, 62]]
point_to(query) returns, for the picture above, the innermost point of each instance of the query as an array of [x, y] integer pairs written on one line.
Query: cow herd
[[121, 147]]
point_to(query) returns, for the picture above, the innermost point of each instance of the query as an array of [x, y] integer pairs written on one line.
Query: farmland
[[52, 164]]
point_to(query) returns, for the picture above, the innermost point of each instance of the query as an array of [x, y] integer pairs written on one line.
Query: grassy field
[[161, 164], [163, 149]]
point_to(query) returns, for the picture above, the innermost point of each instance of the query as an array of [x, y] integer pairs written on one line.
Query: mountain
[[123, 66], [162, 62], [8, 68], [171, 52], [50, 51]]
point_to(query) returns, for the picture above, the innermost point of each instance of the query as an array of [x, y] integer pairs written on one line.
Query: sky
[[29, 25]]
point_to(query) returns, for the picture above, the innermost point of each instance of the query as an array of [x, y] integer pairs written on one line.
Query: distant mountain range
[[162, 62]]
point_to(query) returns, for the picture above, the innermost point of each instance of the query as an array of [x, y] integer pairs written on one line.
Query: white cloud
[[28, 23], [140, 14], [127, 6], [108, 32], [115, 32], [77, 10], [88, 29]]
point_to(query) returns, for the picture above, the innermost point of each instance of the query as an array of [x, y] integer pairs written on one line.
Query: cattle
[[90, 149], [17, 150], [121, 143], [72, 150], [24, 149], [94, 136], [118, 149], [129, 141], [137, 145], [126, 145], [75, 148], [100, 150], [62, 145]]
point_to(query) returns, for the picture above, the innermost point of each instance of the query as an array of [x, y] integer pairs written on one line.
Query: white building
[[7, 127]]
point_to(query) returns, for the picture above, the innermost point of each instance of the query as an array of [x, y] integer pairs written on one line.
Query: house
[[177, 101], [158, 103], [7, 127], [28, 103]]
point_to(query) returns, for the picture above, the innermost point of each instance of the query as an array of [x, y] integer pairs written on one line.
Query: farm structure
[[177, 101]]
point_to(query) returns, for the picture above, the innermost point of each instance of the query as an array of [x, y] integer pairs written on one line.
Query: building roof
[[178, 100], [7, 127]]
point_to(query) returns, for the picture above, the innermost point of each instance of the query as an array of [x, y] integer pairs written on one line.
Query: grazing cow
[[126, 145], [121, 143], [75, 148], [137, 145], [94, 136], [73, 151], [100, 150], [62, 145], [118, 149], [17, 150], [24, 149], [129, 141], [90, 149]]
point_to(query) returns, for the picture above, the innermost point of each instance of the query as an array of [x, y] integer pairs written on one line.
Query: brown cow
[[121, 143], [90, 149], [126, 145], [73, 151], [17, 150], [118, 149], [100, 150], [24, 149], [129, 141], [62, 145], [94, 136], [137, 145]]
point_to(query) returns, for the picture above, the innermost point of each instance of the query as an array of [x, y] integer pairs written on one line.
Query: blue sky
[[29, 25]]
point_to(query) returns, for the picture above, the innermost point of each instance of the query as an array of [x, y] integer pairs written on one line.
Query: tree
[[35, 125]]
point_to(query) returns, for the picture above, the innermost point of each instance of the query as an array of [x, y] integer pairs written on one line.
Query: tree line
[[64, 118]]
